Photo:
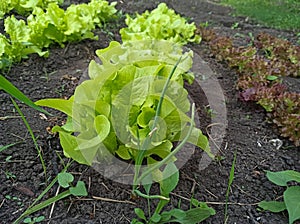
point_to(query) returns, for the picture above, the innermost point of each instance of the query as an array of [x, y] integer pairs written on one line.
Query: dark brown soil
[[247, 132]]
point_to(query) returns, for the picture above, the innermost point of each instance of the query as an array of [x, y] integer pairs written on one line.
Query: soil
[[246, 131]]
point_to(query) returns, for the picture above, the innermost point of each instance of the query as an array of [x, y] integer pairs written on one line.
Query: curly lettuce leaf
[[160, 24]]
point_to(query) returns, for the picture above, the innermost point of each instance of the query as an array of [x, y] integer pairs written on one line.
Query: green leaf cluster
[[111, 114], [51, 25], [161, 24], [23, 7], [198, 211], [291, 195]]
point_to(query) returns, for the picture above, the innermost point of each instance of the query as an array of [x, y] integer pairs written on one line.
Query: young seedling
[[65, 181]]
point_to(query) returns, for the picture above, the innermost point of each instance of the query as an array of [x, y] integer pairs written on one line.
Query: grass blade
[[8, 87], [231, 177], [32, 136], [4, 147]]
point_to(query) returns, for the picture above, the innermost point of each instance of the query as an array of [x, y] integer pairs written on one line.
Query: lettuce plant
[[261, 68], [51, 25], [161, 24], [24, 6], [134, 107], [113, 111]]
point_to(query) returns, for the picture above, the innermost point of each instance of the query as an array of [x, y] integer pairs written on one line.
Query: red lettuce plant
[[261, 68]]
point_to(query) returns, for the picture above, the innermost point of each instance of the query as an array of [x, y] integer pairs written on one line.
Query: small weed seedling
[[15, 199], [291, 196], [65, 181], [34, 220], [10, 175]]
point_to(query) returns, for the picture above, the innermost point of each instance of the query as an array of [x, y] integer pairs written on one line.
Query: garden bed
[[247, 132]]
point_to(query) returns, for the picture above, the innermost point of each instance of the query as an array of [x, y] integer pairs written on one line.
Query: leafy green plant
[[168, 180], [291, 196], [53, 25], [161, 24], [117, 117], [24, 6], [261, 68], [137, 113]]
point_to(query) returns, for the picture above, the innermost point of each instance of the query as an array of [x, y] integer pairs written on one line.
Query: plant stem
[[160, 197], [168, 157], [147, 141]]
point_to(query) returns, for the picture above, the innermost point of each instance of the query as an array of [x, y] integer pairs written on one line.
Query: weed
[[65, 181], [231, 177], [15, 199], [235, 25], [8, 87], [10, 175], [4, 147], [34, 220], [291, 196]]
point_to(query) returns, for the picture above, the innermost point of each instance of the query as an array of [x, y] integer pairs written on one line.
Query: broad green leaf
[[272, 77], [145, 116], [64, 179], [155, 217], [192, 216], [39, 219], [62, 105], [176, 213], [140, 213], [161, 150], [14, 92], [102, 126], [135, 221], [170, 179], [123, 152], [281, 178], [70, 146], [79, 189], [195, 215], [292, 201], [273, 206], [196, 138], [27, 220]]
